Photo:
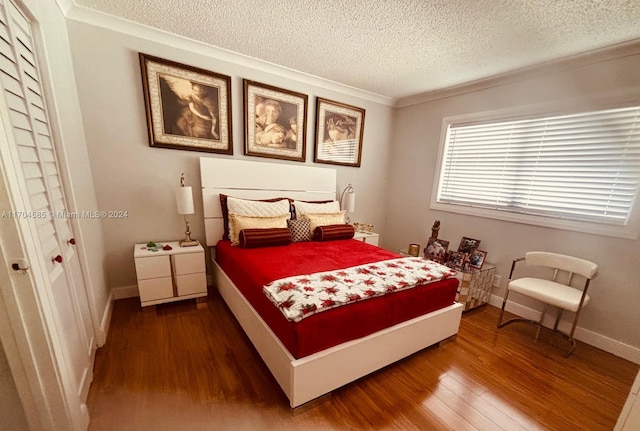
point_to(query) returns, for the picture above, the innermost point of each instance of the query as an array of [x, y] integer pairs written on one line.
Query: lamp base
[[188, 243]]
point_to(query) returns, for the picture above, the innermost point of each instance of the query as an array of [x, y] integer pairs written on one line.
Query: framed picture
[[476, 259], [339, 132], [468, 245], [436, 250], [275, 122], [456, 260], [187, 108]]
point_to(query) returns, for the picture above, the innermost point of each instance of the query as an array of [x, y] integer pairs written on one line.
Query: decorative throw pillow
[[252, 238], [333, 232], [245, 207], [323, 219], [300, 230], [314, 207], [238, 222]]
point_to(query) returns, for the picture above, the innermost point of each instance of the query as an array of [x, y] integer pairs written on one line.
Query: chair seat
[[555, 294]]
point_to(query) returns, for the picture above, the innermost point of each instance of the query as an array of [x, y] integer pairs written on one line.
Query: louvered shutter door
[[23, 95]]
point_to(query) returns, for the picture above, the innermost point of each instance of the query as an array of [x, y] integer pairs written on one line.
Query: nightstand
[[170, 275], [368, 237], [475, 286]]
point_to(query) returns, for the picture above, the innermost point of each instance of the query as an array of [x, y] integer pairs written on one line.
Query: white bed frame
[[308, 378]]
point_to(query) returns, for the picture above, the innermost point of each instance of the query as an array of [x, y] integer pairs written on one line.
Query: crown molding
[[84, 15], [535, 71]]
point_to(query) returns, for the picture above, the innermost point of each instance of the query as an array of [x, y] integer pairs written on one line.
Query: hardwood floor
[[188, 366]]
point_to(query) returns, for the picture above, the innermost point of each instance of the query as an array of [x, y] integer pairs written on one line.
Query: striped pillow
[[252, 238], [333, 232]]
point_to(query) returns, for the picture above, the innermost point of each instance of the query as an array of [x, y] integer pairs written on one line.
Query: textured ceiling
[[393, 48]]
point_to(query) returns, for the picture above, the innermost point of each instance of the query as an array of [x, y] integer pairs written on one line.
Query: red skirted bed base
[[252, 268]]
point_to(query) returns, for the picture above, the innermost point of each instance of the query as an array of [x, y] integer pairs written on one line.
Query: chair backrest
[[573, 265]]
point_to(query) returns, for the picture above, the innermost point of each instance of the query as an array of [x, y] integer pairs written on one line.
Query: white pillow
[[323, 219], [237, 222], [315, 208], [248, 207]]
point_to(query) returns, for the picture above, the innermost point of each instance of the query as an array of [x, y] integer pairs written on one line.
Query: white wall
[[613, 317], [130, 175]]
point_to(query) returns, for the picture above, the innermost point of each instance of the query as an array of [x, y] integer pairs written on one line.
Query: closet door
[[36, 162]]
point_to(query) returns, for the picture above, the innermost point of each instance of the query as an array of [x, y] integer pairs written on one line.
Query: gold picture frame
[[339, 133], [275, 122], [187, 108]]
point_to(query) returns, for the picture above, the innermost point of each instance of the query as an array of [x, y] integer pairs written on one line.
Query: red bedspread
[[251, 269]]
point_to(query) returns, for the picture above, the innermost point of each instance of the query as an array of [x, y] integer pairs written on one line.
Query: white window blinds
[[583, 167]]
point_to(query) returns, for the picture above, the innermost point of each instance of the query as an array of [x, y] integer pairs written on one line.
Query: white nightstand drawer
[[168, 272], [188, 263], [189, 284], [155, 288], [153, 267]]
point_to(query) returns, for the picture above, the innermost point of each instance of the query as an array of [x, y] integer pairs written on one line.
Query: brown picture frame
[[339, 133], [477, 258], [275, 122], [468, 245], [436, 250], [187, 108]]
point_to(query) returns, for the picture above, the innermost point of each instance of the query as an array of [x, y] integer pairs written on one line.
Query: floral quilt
[[301, 296]]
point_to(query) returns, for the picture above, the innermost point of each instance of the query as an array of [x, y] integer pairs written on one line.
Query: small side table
[[170, 275], [475, 286], [368, 237]]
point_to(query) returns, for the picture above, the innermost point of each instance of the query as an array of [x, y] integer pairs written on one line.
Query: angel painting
[[189, 108]]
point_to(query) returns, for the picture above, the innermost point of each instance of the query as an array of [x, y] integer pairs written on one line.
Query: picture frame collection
[[468, 257], [189, 108]]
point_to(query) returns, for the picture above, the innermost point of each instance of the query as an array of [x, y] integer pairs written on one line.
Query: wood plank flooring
[[188, 366]]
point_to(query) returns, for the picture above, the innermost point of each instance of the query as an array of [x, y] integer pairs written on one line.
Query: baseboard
[[615, 347], [125, 292]]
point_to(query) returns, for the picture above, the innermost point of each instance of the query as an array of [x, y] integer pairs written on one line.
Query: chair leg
[[544, 312], [573, 329], [504, 303]]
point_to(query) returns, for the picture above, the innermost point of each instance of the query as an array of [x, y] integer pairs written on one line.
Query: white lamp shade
[[350, 203], [184, 197]]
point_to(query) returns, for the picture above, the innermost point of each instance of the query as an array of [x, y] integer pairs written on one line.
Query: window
[[578, 171]]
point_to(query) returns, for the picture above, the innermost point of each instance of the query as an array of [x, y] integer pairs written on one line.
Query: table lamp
[[350, 201], [184, 197]]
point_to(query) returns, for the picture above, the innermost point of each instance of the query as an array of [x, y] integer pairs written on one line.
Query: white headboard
[[257, 180]]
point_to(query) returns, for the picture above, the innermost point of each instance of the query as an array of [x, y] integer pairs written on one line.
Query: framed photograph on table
[[456, 260], [187, 108], [436, 250], [339, 133], [275, 122], [468, 245], [476, 259]]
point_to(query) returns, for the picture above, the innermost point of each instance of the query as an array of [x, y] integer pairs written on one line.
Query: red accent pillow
[[252, 238], [225, 210], [333, 232]]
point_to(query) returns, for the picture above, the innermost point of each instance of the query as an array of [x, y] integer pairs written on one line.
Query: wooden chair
[[555, 291]]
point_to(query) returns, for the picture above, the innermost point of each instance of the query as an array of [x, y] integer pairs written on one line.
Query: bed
[[304, 361]]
